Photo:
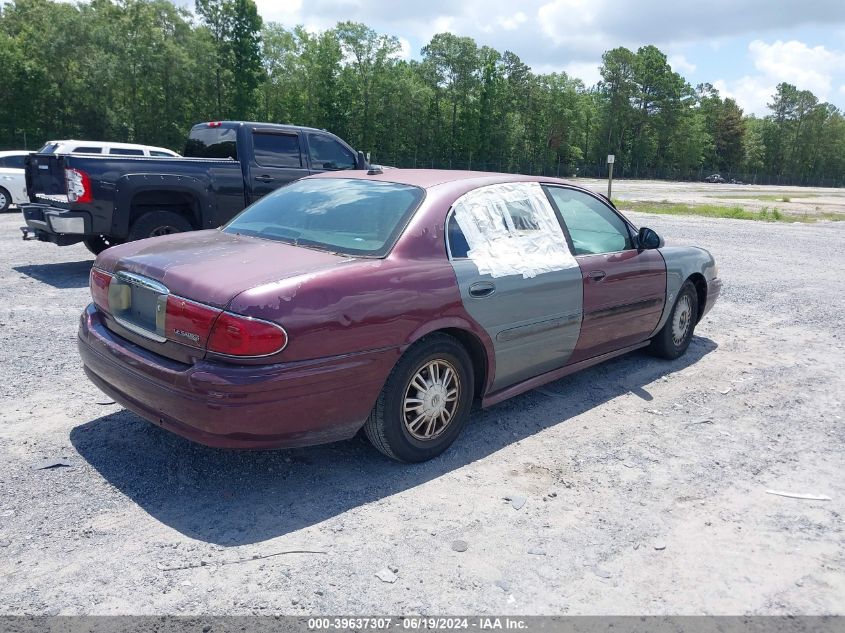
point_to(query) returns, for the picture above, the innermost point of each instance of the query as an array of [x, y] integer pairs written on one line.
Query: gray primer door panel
[[534, 323]]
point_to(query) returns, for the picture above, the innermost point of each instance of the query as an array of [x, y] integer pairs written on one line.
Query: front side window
[[327, 153], [593, 226], [344, 215], [87, 150], [276, 150], [125, 151], [508, 229], [160, 154]]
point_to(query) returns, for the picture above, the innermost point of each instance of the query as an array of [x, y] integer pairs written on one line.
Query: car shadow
[[230, 497], [59, 275]]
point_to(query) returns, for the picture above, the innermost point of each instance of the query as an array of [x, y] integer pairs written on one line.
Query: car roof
[[428, 178], [109, 144]]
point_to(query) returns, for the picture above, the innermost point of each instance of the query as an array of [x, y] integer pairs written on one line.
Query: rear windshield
[[212, 142], [343, 215]]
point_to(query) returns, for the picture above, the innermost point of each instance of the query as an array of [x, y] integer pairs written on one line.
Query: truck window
[[123, 151], [212, 142], [86, 150], [327, 153], [276, 150]]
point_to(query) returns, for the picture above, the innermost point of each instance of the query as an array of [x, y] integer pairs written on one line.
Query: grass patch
[[763, 197], [735, 212]]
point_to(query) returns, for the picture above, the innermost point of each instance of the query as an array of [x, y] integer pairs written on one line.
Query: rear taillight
[[78, 185], [99, 282], [187, 322], [235, 335]]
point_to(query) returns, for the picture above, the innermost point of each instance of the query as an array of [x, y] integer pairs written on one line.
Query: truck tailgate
[[45, 178]]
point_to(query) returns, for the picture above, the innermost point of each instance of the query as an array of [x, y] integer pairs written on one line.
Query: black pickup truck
[[106, 200]]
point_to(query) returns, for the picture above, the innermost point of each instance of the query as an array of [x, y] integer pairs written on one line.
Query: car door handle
[[265, 178], [596, 275], [482, 289]]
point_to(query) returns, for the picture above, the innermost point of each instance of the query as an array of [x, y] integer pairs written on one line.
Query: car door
[[327, 154], [517, 278], [624, 288], [276, 160]]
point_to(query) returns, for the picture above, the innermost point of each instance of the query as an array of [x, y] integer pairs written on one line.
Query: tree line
[[146, 70]]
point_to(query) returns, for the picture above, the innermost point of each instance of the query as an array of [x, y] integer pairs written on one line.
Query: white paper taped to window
[[512, 229]]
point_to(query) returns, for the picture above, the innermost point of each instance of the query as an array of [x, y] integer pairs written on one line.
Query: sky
[[743, 47]]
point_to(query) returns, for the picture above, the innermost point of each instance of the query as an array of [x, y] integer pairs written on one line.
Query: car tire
[[674, 337], [417, 416], [99, 243], [5, 200], [155, 223]]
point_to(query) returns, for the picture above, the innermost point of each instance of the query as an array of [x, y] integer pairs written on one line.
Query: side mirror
[[648, 239], [361, 161]]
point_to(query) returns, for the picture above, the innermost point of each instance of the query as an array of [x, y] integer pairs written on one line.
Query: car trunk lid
[[206, 268]]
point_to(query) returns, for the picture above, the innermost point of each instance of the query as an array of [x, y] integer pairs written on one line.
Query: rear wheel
[[5, 200], [674, 337], [99, 243], [425, 402], [157, 223]]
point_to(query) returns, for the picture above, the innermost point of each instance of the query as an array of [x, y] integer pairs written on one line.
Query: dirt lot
[[644, 482], [811, 201]]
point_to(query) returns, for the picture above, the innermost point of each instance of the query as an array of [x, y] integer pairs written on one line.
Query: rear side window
[[277, 150], [13, 162], [593, 226], [327, 153], [508, 229], [87, 150], [123, 151], [212, 142]]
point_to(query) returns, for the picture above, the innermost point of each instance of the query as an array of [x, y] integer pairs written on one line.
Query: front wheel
[[99, 243], [674, 337], [425, 402]]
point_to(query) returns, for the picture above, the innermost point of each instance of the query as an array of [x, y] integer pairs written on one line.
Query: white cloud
[[681, 65], [751, 93], [808, 68], [512, 22], [405, 51], [585, 71]]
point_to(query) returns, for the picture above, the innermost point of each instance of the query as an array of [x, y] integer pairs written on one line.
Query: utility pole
[[610, 160]]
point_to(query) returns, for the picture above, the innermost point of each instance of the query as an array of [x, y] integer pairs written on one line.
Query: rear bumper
[[714, 289], [50, 224], [232, 406]]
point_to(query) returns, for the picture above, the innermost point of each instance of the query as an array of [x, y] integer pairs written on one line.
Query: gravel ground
[[636, 487]]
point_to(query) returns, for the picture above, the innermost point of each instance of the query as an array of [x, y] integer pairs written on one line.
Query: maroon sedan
[[389, 301]]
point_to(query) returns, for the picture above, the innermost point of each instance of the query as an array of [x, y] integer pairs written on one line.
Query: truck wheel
[[5, 200], [157, 223], [99, 243]]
